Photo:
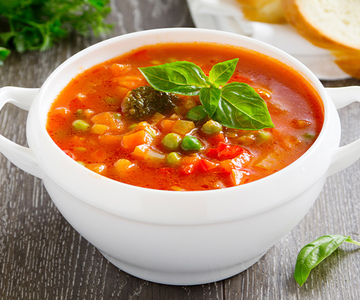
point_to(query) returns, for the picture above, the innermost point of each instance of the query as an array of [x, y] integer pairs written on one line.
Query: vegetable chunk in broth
[[115, 120]]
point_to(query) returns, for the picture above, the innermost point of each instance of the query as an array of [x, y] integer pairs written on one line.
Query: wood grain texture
[[43, 257]]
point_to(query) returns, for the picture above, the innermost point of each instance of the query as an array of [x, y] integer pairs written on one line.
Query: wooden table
[[43, 257]]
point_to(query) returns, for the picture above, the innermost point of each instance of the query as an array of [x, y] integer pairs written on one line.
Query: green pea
[[173, 159], [190, 143], [211, 127], [81, 125], [171, 141]]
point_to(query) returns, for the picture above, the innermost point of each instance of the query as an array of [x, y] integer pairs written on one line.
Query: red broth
[[133, 152]]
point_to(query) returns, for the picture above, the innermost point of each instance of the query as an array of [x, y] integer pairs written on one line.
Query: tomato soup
[[93, 122]]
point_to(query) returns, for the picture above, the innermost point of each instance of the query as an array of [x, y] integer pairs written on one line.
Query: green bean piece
[[190, 143], [309, 135], [171, 141], [211, 127], [81, 125], [263, 136], [173, 159]]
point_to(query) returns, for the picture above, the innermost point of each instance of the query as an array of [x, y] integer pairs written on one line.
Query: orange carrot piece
[[167, 125], [141, 137]]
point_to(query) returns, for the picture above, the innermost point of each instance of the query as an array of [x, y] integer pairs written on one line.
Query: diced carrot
[[99, 128], [123, 165], [132, 140], [140, 151], [167, 125], [107, 119], [110, 140], [98, 168], [226, 166], [238, 177]]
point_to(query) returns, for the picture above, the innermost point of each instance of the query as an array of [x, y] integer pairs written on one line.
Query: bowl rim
[[173, 196]]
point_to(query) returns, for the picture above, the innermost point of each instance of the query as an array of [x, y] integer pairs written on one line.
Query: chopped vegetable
[[81, 125], [138, 138], [143, 102], [183, 126], [99, 128], [123, 165], [225, 151]]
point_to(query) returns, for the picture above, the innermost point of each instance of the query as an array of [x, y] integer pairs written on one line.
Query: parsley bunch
[[28, 25]]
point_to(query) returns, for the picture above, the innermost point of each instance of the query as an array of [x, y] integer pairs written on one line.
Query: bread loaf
[[268, 11], [330, 24]]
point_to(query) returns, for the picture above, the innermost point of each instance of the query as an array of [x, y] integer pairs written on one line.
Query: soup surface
[[93, 123]]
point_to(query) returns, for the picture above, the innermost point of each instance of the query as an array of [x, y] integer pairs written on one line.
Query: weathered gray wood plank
[[42, 257]]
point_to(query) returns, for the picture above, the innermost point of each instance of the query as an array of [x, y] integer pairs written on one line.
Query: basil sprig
[[314, 253], [234, 105]]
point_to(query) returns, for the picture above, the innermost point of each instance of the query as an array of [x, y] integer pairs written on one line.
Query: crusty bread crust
[[294, 13], [345, 51]]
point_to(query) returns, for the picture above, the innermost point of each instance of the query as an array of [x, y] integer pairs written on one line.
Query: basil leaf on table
[[241, 107], [181, 77], [4, 53], [314, 253], [221, 73]]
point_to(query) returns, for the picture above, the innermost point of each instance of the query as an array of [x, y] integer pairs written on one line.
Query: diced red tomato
[[69, 153], [141, 55], [189, 165], [224, 151], [206, 165]]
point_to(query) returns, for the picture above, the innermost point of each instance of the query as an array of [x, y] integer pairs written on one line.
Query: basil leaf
[[179, 77], [222, 72], [241, 107], [197, 113], [210, 97], [314, 253]]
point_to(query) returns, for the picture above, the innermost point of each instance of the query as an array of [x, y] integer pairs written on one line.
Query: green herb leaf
[[235, 105], [222, 72], [4, 53], [181, 77], [210, 98], [197, 113], [314, 253], [241, 107], [37, 24]]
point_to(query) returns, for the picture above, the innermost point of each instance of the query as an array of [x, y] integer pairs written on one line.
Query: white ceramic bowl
[[174, 237]]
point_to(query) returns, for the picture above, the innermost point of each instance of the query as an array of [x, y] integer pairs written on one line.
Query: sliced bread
[[331, 24]]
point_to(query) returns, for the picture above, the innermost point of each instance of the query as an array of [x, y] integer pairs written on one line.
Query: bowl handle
[[22, 157], [348, 154]]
